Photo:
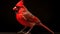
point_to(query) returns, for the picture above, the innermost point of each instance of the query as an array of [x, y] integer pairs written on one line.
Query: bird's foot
[[27, 33], [20, 32], [23, 33]]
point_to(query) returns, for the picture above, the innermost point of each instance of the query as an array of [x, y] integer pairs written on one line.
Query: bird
[[26, 18]]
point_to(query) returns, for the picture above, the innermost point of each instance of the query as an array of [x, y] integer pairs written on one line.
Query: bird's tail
[[40, 24]]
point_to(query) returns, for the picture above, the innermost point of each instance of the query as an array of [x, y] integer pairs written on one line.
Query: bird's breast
[[22, 21]]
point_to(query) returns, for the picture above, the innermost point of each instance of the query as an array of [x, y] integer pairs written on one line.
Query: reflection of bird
[[25, 18]]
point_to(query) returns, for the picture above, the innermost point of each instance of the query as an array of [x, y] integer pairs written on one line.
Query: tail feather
[[46, 28]]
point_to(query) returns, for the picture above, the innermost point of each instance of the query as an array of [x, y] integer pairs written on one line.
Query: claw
[[27, 33], [20, 32]]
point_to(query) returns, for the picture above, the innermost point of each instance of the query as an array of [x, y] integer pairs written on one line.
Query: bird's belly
[[21, 20]]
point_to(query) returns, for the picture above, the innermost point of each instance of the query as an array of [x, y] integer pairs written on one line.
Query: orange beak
[[15, 9]]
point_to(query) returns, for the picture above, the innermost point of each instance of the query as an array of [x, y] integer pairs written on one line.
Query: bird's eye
[[18, 7]]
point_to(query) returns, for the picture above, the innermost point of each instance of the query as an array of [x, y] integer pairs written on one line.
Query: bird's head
[[18, 6]]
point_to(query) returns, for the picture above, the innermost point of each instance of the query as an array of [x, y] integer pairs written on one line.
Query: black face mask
[[17, 7]]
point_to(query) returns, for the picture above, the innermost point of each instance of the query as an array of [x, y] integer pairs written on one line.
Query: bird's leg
[[22, 30], [30, 28]]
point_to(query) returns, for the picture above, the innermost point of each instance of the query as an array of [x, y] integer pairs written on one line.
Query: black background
[[43, 9]]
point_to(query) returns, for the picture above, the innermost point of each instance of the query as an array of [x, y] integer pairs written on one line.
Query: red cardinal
[[25, 18]]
